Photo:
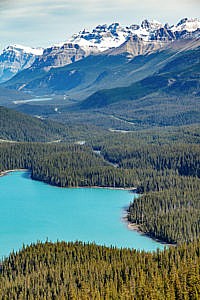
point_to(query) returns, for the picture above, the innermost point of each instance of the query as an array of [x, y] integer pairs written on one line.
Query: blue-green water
[[32, 211]]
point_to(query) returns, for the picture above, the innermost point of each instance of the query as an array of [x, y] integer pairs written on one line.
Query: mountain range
[[146, 74], [104, 39]]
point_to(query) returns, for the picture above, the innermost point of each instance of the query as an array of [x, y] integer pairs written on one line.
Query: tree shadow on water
[[26, 174]]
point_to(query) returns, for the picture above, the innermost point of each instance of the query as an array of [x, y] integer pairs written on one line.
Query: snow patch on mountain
[[134, 39], [189, 25], [28, 50]]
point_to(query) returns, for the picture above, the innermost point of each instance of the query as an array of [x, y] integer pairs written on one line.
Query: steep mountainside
[[179, 76], [135, 46], [171, 96], [57, 56]]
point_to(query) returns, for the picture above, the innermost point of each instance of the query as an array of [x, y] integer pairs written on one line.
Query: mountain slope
[[79, 74], [7, 95], [169, 97], [20, 127], [58, 56], [180, 76]]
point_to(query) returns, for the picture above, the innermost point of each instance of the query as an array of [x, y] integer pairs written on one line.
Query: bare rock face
[[56, 56], [135, 46]]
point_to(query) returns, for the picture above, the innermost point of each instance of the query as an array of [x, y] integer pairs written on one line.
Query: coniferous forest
[[80, 271]]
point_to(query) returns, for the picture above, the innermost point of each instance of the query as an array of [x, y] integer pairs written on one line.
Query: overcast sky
[[45, 22]]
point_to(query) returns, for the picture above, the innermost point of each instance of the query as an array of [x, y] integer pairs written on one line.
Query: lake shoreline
[[130, 226], [131, 189], [6, 172], [136, 227], [88, 215]]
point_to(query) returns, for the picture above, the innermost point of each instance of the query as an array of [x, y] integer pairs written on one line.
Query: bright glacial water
[[32, 211]]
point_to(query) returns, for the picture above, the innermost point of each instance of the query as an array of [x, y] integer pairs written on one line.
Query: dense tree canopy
[[82, 271]]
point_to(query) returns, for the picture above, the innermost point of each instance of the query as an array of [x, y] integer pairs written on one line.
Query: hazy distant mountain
[[169, 97], [16, 58]]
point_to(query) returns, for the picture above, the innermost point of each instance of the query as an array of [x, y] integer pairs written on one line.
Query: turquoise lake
[[32, 211]]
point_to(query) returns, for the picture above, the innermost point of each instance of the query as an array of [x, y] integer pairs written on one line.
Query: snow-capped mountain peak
[[104, 37], [101, 38]]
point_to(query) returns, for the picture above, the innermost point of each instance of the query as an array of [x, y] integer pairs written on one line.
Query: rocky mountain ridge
[[150, 36], [104, 37]]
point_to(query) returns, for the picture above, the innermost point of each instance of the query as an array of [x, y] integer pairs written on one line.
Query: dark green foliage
[[173, 214], [63, 165], [156, 136], [79, 271], [20, 127], [183, 158], [155, 109], [169, 175], [132, 92], [79, 166]]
